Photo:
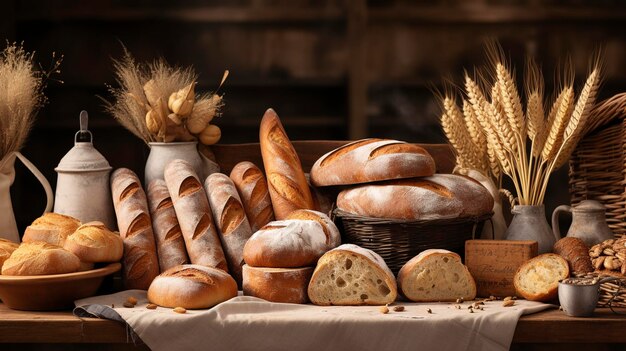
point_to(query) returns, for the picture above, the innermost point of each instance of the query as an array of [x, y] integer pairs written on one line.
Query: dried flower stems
[[506, 128]]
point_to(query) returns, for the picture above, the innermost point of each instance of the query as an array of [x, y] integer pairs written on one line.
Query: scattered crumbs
[[151, 306], [428, 310], [180, 310], [128, 305], [384, 309], [398, 308]]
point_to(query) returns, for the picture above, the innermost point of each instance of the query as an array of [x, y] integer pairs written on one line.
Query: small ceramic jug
[[588, 222], [529, 223]]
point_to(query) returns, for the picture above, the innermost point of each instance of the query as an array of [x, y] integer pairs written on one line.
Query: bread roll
[[538, 278], [351, 275], [40, 258], [255, 196], [194, 215], [439, 196], [286, 181], [333, 237], [94, 242], [52, 228], [372, 160], [192, 287], [286, 285], [140, 261], [167, 234], [286, 244], [576, 253], [230, 217], [6, 249], [436, 275]]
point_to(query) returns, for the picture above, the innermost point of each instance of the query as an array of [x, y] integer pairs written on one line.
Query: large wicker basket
[[397, 241]]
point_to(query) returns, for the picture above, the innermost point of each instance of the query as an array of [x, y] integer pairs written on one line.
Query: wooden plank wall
[[333, 69]]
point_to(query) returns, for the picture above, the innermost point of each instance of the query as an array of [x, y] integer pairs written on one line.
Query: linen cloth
[[249, 323]]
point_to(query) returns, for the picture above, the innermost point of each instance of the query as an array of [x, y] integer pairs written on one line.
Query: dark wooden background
[[332, 69]]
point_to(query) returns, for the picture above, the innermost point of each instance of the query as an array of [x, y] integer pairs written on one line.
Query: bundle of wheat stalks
[[491, 132], [158, 103]]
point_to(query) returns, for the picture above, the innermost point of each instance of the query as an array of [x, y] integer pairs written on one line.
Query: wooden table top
[[551, 326]]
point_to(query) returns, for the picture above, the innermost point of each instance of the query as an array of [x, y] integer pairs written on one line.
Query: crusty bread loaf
[[372, 160], [436, 275], [286, 244], [194, 216], [230, 217], [538, 278], [192, 287], [6, 249], [140, 260], [287, 285], [576, 253], [86, 266], [286, 181], [252, 187], [333, 237], [167, 234], [94, 242], [352, 275], [52, 228], [40, 258], [439, 196]]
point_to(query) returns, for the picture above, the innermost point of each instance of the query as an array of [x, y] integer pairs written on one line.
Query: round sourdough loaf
[[538, 278], [435, 197], [40, 258], [192, 286], [52, 228], [6, 249], [372, 160], [286, 244], [333, 237], [94, 242], [288, 285]]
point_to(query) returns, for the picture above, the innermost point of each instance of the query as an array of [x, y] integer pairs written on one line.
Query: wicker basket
[[397, 241], [598, 165]]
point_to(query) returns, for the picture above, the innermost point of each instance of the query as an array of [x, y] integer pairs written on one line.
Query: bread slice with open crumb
[[350, 275], [436, 275], [538, 278]]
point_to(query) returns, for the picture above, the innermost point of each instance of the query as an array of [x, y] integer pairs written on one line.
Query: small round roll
[[40, 258], [53, 228], [288, 285], [94, 242], [192, 286]]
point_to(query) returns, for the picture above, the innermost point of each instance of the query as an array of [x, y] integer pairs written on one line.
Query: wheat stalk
[[458, 135], [562, 111]]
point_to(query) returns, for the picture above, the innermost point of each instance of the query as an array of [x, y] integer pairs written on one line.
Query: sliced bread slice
[[538, 278], [351, 275]]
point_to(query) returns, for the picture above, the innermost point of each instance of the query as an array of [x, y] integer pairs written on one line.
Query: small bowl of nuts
[[579, 296]]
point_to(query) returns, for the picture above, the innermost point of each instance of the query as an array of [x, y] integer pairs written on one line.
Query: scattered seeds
[[508, 303], [428, 310], [508, 298], [131, 299], [471, 310], [128, 305], [492, 298], [112, 305], [398, 308], [384, 309], [458, 307], [180, 310], [459, 300], [151, 306]]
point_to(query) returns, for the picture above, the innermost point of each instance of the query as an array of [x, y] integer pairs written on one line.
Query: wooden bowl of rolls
[[59, 261]]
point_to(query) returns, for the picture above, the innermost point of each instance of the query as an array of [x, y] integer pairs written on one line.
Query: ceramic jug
[[529, 223], [161, 154], [588, 222], [83, 190]]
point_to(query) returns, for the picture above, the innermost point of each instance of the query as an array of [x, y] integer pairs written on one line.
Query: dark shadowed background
[[332, 69]]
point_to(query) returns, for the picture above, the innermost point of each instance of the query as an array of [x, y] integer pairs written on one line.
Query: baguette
[[194, 216], [252, 187], [287, 184], [140, 261], [169, 239], [230, 217]]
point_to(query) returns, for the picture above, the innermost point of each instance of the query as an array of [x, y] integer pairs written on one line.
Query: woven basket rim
[[607, 112], [374, 220]]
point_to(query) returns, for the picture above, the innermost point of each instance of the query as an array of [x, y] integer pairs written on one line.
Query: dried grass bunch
[[491, 132], [158, 103], [21, 96]]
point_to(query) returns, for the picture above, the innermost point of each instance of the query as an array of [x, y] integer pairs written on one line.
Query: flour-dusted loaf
[[538, 278], [93, 242], [40, 258], [576, 253], [192, 287], [169, 238], [372, 160], [140, 262], [194, 215], [52, 228], [6, 249], [286, 244], [252, 187], [287, 285], [438, 196], [333, 237], [436, 275], [230, 219], [286, 181], [352, 275]]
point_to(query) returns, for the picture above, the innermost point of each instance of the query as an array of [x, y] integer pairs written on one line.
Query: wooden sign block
[[493, 264]]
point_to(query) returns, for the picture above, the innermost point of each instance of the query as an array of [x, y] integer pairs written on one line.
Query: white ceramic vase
[[8, 226], [163, 153]]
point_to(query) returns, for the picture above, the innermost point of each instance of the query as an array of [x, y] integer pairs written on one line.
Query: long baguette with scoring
[[252, 187]]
